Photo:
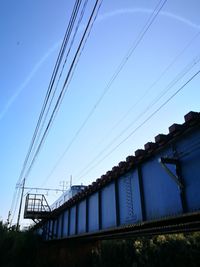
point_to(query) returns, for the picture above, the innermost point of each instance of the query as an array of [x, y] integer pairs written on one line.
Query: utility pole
[[70, 181], [8, 219], [20, 205]]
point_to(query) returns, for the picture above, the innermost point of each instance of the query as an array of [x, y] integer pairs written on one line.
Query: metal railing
[[36, 206]]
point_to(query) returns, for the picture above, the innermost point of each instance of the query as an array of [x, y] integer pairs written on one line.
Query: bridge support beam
[[176, 177]]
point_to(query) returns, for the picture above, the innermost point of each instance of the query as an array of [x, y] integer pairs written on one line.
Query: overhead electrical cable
[[60, 97], [60, 158], [146, 120], [48, 93], [81, 50], [120, 67], [50, 87], [152, 103], [148, 90], [130, 52], [143, 112], [61, 72], [52, 80]]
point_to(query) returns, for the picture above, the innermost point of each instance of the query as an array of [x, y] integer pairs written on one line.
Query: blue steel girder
[[139, 195]]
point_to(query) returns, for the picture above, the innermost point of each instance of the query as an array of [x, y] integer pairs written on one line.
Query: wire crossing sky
[[119, 68], [27, 168], [165, 58]]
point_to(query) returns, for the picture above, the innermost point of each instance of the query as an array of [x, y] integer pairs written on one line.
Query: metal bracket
[[174, 161]]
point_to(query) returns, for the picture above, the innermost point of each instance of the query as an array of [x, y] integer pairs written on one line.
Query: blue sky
[[31, 34]]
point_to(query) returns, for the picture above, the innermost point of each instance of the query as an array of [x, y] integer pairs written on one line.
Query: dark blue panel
[[65, 223], [189, 154], [93, 216], [40, 231], [108, 206], [82, 217], [72, 224], [46, 230], [55, 229], [51, 229], [161, 193], [60, 226], [129, 198]]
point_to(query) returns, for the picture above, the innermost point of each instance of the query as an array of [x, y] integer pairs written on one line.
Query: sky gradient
[[31, 34]]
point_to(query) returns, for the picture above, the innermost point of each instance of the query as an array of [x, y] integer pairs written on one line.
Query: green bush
[[159, 251], [17, 248]]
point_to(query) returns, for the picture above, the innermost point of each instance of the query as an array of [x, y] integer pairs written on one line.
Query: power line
[[95, 8], [64, 88], [56, 107], [57, 64], [61, 72], [42, 112], [89, 31], [60, 158], [145, 28], [151, 104], [145, 121], [52, 80], [48, 93], [150, 87]]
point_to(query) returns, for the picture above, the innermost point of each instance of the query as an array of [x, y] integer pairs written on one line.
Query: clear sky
[[31, 35]]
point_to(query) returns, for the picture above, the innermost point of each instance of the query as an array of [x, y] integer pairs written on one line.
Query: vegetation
[[17, 248], [25, 249], [163, 250]]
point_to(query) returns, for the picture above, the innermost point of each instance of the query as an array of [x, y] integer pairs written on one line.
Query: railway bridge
[[155, 191]]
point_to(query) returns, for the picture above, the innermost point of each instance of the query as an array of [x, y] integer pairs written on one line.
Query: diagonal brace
[[163, 162]]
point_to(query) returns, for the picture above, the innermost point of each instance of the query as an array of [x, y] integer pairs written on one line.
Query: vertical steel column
[[49, 229], [141, 188], [86, 215], [62, 225], [100, 209], [182, 189], [57, 225], [44, 231], [117, 203], [76, 219], [52, 229], [68, 225], [49, 224], [43, 227]]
